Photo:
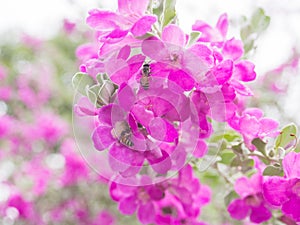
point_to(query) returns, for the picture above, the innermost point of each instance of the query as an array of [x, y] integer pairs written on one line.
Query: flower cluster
[[166, 84], [155, 93], [176, 201]]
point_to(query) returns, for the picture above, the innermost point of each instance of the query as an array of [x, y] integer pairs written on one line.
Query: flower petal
[[241, 88], [275, 190], [223, 71], [174, 35], [260, 214], [160, 165], [143, 25], [162, 130], [145, 213], [102, 20], [245, 186], [201, 149], [233, 49], [124, 52], [126, 97], [155, 49], [244, 71], [128, 205], [136, 6], [181, 79], [102, 137], [121, 158], [291, 208], [110, 113], [222, 24], [291, 165], [238, 209]]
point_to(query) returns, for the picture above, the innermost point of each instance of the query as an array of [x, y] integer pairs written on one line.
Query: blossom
[[130, 17], [50, 128], [104, 218], [68, 26], [174, 201], [283, 192], [179, 64], [40, 174], [251, 124], [125, 126], [251, 202], [76, 169], [210, 34]]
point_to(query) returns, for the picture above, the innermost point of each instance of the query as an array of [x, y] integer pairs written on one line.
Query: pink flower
[[5, 93], [104, 218], [172, 59], [251, 124], [284, 193], [121, 66], [76, 169], [137, 117], [209, 34], [251, 201], [130, 17], [6, 126], [68, 26], [40, 174], [50, 128], [175, 201], [25, 208]]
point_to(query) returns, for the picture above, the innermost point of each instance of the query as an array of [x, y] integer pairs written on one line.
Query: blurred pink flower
[[283, 192]]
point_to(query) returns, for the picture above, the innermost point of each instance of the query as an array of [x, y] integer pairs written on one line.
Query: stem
[[226, 178]]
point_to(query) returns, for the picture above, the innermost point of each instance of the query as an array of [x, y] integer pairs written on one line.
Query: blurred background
[[43, 178]]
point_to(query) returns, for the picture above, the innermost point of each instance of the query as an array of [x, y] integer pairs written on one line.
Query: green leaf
[[247, 165], [232, 136], [158, 11], [286, 136], [260, 145], [260, 21], [245, 33], [237, 148], [92, 93], [101, 77], [227, 157], [273, 171], [194, 36], [248, 45], [169, 12], [81, 81], [230, 197], [236, 161]]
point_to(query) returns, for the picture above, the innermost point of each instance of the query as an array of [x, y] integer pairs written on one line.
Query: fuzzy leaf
[[226, 157], [273, 171], [169, 12], [260, 145], [194, 36], [260, 21], [81, 81], [286, 136]]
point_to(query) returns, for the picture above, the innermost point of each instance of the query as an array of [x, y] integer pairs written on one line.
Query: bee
[[145, 80], [123, 133], [142, 129]]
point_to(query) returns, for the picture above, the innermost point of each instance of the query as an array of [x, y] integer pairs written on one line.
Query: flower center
[[169, 210], [143, 195], [253, 200], [296, 188]]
